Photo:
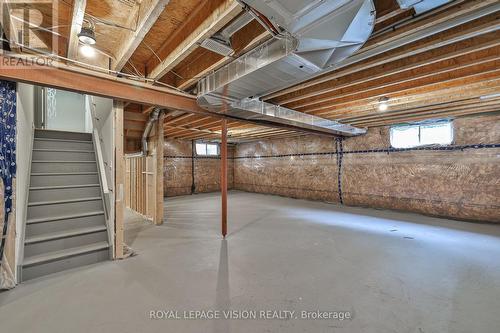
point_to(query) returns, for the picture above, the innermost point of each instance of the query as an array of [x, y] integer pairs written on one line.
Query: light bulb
[[383, 106], [87, 51]]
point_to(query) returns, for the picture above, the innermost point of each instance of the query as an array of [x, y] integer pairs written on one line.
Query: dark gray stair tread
[[56, 202], [57, 255], [53, 133], [63, 140], [61, 187], [63, 150], [64, 234], [64, 217], [63, 173], [52, 161]]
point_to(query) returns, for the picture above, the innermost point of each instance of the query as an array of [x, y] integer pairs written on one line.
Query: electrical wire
[[93, 67]]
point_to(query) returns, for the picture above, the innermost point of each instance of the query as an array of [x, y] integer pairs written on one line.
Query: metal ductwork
[[153, 117], [421, 6], [311, 36]]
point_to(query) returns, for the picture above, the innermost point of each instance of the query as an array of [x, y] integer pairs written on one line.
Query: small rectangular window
[[428, 133], [207, 149]]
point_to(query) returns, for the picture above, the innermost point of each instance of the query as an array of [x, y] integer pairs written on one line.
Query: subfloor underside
[[392, 272]]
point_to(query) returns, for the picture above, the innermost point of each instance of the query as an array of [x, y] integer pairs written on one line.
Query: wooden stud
[[159, 170], [119, 180]]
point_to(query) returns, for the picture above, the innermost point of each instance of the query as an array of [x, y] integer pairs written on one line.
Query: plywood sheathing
[[304, 177], [172, 17], [456, 184], [115, 12], [178, 170]]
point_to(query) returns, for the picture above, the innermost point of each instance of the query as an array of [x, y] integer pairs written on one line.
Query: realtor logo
[[30, 27]]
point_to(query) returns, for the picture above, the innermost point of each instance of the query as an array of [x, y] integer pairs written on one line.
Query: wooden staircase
[[66, 226]]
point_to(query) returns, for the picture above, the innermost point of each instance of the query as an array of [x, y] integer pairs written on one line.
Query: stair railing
[[105, 190]]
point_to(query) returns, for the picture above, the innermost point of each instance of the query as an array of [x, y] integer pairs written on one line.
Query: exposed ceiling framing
[[426, 67]]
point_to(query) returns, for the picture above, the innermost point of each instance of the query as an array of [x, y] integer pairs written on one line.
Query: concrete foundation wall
[[457, 183], [178, 170]]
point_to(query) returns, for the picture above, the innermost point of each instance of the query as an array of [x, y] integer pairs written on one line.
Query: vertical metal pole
[[223, 176]]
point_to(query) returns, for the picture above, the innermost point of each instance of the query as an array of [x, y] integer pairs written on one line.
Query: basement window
[[207, 149], [422, 134]]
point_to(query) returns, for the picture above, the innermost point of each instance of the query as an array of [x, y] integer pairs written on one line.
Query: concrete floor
[[394, 272]]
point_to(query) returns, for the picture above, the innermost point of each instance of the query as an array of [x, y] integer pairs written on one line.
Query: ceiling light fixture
[[383, 103], [87, 36], [87, 51]]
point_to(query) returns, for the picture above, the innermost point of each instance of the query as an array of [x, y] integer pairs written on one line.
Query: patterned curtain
[[7, 166]]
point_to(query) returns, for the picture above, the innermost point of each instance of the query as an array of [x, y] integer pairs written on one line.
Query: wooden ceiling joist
[[446, 81], [149, 13], [205, 21], [486, 24], [350, 78], [76, 25], [429, 20], [417, 102], [410, 79]]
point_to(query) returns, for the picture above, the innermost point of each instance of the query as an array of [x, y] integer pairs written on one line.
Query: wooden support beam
[[159, 140], [223, 176], [149, 12], [76, 26], [119, 180], [90, 82], [209, 18]]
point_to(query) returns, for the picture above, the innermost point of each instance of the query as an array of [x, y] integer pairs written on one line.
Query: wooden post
[[159, 170], [119, 180], [223, 176]]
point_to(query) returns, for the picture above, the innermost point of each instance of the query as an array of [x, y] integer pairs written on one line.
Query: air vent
[[217, 47]]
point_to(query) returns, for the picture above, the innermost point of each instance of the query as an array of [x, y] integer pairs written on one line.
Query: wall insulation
[[179, 178], [459, 181]]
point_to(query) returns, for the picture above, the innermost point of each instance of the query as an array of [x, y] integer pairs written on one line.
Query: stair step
[[64, 161], [64, 234], [40, 188], [63, 167], [63, 178], [63, 155], [63, 217], [64, 207], [64, 135], [63, 150], [63, 240], [58, 202], [63, 174], [63, 225], [51, 256], [62, 140], [40, 143], [48, 263], [64, 192]]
